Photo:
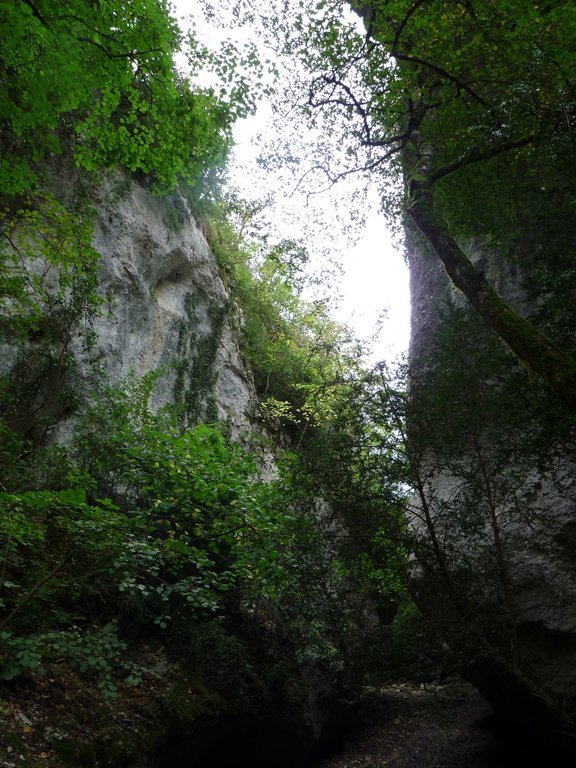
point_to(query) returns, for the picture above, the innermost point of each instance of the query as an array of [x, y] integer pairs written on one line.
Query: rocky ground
[[449, 726], [51, 722]]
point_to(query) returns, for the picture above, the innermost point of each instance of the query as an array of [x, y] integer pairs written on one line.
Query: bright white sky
[[373, 284]]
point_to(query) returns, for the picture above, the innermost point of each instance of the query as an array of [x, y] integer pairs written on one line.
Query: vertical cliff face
[[164, 309], [497, 466]]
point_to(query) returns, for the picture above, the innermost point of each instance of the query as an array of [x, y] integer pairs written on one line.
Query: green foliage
[[201, 523], [96, 654], [297, 352], [471, 104], [143, 528], [415, 648], [227, 659], [194, 384], [361, 456], [483, 442], [99, 80], [48, 538], [187, 533], [47, 270], [310, 379], [489, 84]]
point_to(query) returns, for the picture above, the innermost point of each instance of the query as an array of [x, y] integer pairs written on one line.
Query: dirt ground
[[450, 726]]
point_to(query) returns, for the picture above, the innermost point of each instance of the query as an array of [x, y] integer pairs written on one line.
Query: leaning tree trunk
[[533, 348]]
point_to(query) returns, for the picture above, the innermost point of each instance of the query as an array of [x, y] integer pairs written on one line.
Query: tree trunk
[[533, 348]]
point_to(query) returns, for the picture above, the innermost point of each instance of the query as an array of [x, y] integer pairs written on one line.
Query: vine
[[195, 368]]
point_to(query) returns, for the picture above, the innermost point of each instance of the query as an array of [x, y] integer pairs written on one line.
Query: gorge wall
[[164, 310], [496, 463], [218, 565], [489, 203]]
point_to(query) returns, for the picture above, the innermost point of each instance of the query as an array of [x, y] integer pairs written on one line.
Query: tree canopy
[[99, 79], [472, 104]]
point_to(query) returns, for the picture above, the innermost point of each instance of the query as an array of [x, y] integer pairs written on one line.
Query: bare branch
[[354, 102]]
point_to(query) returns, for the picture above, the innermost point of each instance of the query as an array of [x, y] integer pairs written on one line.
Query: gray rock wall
[[498, 463], [166, 307]]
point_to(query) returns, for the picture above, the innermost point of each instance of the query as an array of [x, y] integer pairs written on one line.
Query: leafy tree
[[98, 79], [298, 354], [148, 531], [468, 101]]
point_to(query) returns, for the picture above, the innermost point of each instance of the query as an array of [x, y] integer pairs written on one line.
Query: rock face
[[497, 466], [165, 308]]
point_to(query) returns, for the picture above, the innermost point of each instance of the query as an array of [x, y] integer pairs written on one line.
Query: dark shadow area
[[282, 740], [404, 727], [407, 727], [510, 746]]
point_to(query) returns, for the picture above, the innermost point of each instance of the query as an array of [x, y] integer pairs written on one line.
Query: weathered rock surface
[[498, 471], [167, 306], [165, 309]]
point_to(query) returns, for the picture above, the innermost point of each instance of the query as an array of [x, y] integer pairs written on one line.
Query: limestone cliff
[[164, 309], [497, 460], [167, 307]]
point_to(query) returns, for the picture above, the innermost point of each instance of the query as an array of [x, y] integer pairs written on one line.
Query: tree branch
[[477, 155], [411, 11], [460, 84], [35, 12], [126, 55], [29, 595], [353, 101]]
